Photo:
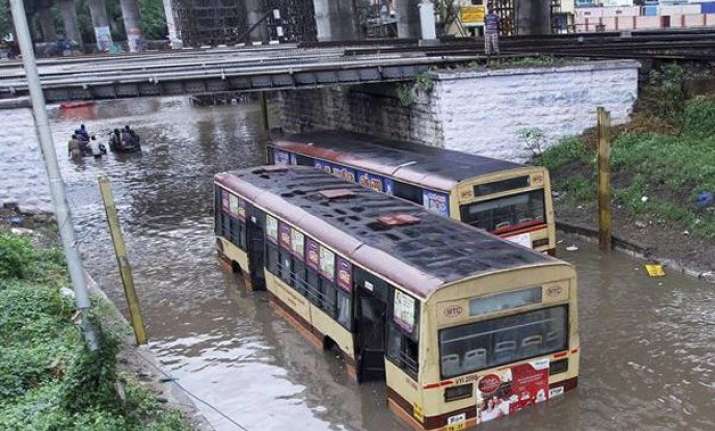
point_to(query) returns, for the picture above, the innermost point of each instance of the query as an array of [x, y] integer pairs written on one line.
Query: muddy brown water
[[648, 345]]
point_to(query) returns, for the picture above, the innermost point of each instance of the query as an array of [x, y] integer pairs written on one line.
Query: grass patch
[[657, 171], [48, 380]]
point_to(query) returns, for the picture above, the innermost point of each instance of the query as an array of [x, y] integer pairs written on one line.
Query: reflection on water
[[647, 358]]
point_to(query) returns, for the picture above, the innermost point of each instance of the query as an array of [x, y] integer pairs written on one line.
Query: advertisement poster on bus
[[281, 158], [312, 254], [404, 311], [323, 166], [284, 235], [436, 202], [370, 181], [233, 205], [345, 274], [345, 173], [509, 390]]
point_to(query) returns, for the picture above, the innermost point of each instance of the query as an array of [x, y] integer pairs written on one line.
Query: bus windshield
[[507, 213], [490, 343]]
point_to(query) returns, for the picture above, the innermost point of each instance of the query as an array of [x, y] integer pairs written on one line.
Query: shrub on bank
[[48, 379]]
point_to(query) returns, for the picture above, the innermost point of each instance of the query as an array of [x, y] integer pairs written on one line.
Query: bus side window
[[328, 296], [303, 160], [401, 350], [272, 258], [344, 309], [299, 275], [218, 212], [313, 286], [408, 191], [286, 266]]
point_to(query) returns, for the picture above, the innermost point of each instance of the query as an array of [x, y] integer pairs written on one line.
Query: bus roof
[[421, 257], [431, 167]]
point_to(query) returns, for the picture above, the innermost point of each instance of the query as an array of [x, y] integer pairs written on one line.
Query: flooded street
[[648, 360]]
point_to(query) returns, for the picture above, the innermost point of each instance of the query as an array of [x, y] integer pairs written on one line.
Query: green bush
[[16, 256], [699, 118], [569, 150], [48, 379]]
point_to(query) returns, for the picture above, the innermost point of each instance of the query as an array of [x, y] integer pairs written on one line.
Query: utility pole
[[605, 227], [125, 270], [57, 186]]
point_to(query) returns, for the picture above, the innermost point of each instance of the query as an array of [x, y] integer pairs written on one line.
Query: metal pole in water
[[605, 227], [125, 270], [57, 186]]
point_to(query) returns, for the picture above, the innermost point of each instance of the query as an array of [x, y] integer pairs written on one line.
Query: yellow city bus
[[461, 325], [508, 199]]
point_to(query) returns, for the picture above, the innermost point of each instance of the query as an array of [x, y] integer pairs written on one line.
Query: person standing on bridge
[[491, 32]]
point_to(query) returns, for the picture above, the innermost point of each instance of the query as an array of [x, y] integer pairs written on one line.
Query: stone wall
[[373, 109], [476, 111]]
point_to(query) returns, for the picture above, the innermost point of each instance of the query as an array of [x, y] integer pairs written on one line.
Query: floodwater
[[647, 344]]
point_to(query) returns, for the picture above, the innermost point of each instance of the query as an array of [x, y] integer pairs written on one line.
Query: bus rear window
[[491, 343], [506, 214]]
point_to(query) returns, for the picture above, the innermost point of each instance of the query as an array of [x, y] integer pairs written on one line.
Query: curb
[[635, 249]]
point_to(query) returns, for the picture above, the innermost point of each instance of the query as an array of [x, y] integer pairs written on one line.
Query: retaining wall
[[477, 111]]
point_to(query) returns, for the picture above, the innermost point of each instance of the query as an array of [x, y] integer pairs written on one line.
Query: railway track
[[310, 65]]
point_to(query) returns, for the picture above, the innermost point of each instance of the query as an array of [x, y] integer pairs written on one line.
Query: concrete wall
[[475, 111]]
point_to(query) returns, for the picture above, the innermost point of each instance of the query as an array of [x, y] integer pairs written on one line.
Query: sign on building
[[472, 16]]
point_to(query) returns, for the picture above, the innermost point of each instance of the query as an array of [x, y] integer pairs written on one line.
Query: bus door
[[371, 314], [255, 244]]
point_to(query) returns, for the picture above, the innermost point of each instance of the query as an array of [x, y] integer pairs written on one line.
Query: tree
[[448, 13], [5, 19]]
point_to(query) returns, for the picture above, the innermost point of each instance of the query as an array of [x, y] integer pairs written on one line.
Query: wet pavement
[[648, 360]]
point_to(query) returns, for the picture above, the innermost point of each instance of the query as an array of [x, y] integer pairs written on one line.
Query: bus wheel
[[329, 344]]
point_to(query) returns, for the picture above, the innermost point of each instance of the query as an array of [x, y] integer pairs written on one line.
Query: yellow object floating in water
[[655, 270]]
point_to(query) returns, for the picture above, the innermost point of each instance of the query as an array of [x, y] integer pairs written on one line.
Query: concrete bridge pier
[[46, 21], [100, 22], [174, 36], [335, 20], [254, 12], [533, 17], [408, 19], [132, 21], [69, 20]]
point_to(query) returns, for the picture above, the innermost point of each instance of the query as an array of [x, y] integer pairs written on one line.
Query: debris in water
[[571, 248], [655, 270]]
